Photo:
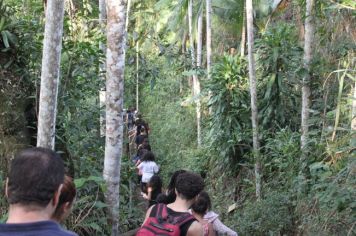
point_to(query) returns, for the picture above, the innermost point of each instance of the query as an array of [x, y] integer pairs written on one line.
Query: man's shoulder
[[35, 228]]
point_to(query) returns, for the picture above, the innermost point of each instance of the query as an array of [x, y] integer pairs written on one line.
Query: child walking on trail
[[154, 188], [199, 208], [210, 216], [147, 168]]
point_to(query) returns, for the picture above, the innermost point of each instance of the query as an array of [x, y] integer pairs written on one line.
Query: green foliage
[[229, 126], [281, 154], [165, 99], [271, 216], [330, 206], [7, 38], [278, 57]]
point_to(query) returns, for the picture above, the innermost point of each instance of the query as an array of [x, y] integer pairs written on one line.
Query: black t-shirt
[[184, 228], [140, 138], [40, 228]]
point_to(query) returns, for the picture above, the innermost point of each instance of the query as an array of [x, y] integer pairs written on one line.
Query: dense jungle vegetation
[[158, 56]]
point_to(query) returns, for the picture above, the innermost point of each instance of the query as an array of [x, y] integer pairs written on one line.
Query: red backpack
[[163, 224]]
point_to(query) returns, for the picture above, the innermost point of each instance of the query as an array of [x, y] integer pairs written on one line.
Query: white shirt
[[148, 169]]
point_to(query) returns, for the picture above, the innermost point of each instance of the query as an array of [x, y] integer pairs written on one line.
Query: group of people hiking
[[41, 198], [184, 208]]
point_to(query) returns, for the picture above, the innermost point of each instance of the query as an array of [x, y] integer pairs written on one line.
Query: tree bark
[[353, 119], [102, 66], [338, 106], [115, 60], [52, 46], [243, 34], [196, 83], [353, 113], [190, 26], [208, 37], [128, 15], [308, 41], [253, 92], [137, 74]]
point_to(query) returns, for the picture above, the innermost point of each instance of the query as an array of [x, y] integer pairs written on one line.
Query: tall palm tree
[[52, 46]]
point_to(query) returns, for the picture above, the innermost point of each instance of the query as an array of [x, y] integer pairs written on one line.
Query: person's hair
[[162, 198], [171, 193], [142, 130], [35, 175], [68, 194], [148, 156], [155, 183], [202, 204], [189, 185]]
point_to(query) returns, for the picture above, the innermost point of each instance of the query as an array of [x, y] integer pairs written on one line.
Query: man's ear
[[7, 188], [56, 196]]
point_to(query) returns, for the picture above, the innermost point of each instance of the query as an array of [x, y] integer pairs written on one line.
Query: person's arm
[[195, 229], [139, 164], [148, 196], [223, 229], [155, 169], [211, 230], [139, 167]]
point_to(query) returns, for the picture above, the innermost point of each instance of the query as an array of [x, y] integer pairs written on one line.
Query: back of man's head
[[189, 185], [35, 175]]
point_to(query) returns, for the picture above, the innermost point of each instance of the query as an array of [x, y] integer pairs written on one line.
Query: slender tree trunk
[[353, 119], [102, 66], [197, 81], [338, 106], [353, 113], [190, 26], [52, 46], [137, 73], [115, 60], [308, 41], [208, 12], [253, 92], [208, 37], [128, 14], [243, 34], [200, 39]]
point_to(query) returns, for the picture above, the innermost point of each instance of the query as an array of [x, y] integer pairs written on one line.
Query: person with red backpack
[[174, 219]]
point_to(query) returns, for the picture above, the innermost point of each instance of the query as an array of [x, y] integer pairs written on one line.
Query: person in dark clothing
[[140, 138], [140, 123], [188, 186], [33, 194], [154, 187], [130, 118]]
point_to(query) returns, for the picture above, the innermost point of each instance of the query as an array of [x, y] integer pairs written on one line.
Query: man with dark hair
[[33, 189], [188, 186]]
